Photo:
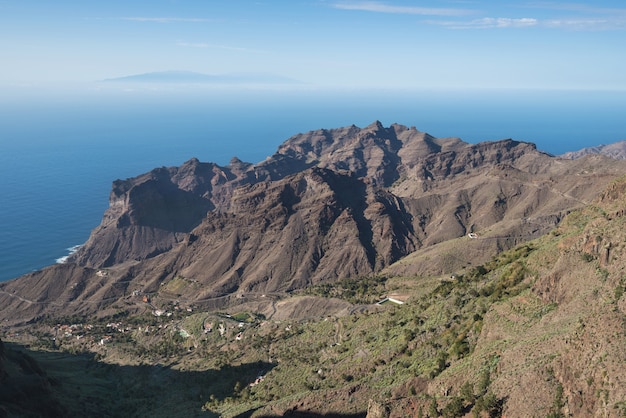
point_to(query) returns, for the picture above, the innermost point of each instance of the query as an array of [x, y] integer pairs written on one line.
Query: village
[[167, 327], [181, 326]]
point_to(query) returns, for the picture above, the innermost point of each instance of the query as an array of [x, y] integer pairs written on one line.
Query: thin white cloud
[[595, 24], [575, 7], [582, 16], [374, 6], [574, 24], [165, 19], [193, 44], [214, 46], [490, 23]]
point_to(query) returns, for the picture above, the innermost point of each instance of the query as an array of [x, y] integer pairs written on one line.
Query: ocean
[[60, 152]]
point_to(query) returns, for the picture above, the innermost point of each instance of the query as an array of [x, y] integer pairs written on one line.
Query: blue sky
[[324, 43]]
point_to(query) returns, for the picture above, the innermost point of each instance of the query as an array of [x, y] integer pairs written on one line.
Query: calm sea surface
[[60, 153]]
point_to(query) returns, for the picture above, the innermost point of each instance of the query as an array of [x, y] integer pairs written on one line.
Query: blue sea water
[[59, 153]]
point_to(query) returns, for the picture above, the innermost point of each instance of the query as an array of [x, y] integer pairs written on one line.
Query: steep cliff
[[328, 204]]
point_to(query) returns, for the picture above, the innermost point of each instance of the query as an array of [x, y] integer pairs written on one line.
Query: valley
[[253, 290]]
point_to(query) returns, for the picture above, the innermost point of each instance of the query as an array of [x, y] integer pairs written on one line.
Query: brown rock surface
[[329, 204]]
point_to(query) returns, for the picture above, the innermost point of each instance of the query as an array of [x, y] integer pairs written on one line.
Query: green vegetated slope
[[540, 330]]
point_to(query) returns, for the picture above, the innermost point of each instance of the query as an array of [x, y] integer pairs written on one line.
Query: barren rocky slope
[[614, 150], [249, 290], [328, 204], [539, 330]]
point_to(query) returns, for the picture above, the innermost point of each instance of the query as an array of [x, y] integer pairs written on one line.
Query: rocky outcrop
[[381, 154], [314, 226], [150, 214], [328, 204]]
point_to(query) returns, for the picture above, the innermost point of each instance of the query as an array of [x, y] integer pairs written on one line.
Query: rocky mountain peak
[[319, 232], [375, 127], [329, 204]]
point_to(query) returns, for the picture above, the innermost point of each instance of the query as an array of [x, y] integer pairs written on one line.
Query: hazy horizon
[[323, 43]]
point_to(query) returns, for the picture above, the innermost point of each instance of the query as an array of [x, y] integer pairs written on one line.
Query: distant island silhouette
[[179, 77]]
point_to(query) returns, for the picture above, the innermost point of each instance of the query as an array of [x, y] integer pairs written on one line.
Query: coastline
[[71, 250]]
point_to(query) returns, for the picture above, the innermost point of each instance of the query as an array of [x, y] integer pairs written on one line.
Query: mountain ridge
[[329, 204], [372, 272], [614, 150], [547, 315]]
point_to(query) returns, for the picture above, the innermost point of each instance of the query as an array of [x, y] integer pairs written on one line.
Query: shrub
[[467, 393], [433, 410], [587, 257], [490, 404], [454, 408], [558, 404]]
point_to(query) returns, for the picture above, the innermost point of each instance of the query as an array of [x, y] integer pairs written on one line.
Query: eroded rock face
[[314, 226], [152, 213], [328, 204], [275, 236]]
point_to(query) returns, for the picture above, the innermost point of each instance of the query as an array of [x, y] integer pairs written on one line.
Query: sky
[[322, 43]]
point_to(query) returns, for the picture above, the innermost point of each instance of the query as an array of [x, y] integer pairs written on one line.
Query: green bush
[[454, 408]]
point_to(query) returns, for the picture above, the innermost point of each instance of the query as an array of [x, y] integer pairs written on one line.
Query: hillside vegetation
[[538, 330]]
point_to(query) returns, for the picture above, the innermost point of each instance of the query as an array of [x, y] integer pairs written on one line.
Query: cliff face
[[313, 226], [367, 172], [328, 204], [150, 213]]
